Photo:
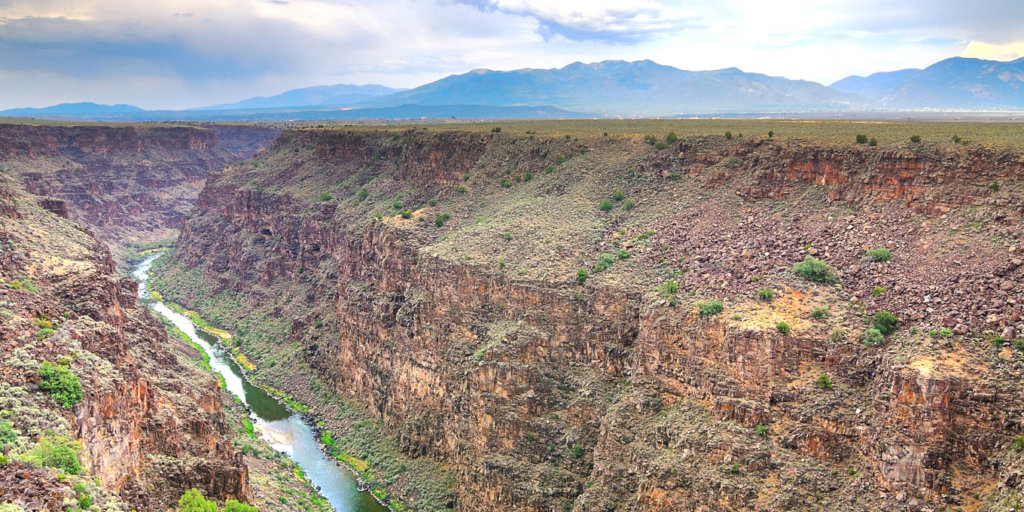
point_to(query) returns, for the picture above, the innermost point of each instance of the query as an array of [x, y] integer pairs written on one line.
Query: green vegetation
[[23, 283], [326, 197], [507, 236], [623, 254], [766, 294], [58, 452], [873, 142], [650, 139], [60, 383], [496, 129], [363, 194], [824, 382], [771, 134], [885, 322], [406, 214], [628, 205], [671, 138], [462, 189], [1017, 444], [670, 287], [872, 337], [528, 176], [782, 327], [506, 183], [762, 430], [397, 205], [862, 139], [815, 270], [581, 276], [819, 313], [941, 333], [604, 260], [877, 291], [995, 186], [618, 196], [728, 135], [710, 308], [660, 146], [549, 169], [8, 435], [881, 254], [605, 205], [915, 138], [432, 202]]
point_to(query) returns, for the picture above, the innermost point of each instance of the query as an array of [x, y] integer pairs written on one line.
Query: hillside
[[539, 311], [341, 94]]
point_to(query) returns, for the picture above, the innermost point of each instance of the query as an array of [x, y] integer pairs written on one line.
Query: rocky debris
[[32, 489]]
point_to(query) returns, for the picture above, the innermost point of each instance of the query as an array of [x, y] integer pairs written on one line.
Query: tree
[[58, 452], [60, 383], [885, 322], [728, 135], [193, 501]]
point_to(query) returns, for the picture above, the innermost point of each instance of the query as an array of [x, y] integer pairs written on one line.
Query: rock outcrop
[[434, 278]]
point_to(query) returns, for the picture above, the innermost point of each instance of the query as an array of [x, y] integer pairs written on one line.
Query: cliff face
[[474, 340], [244, 140], [130, 184], [149, 422]]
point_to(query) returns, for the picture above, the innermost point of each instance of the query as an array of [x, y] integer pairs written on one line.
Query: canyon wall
[[434, 278]]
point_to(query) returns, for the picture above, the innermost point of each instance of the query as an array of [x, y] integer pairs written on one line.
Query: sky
[[159, 54]]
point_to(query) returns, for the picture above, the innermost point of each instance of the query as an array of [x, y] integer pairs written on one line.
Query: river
[[283, 429]]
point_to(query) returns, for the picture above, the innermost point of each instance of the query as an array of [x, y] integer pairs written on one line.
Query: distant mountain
[[876, 86], [952, 84], [641, 88], [71, 109], [341, 95]]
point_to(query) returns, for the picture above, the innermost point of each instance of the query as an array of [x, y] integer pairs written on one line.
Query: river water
[[283, 429]]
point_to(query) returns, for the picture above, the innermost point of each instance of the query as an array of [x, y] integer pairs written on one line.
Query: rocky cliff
[[131, 184], [147, 423], [598, 323]]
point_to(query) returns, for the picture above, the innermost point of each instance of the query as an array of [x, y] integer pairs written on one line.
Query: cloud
[[603, 21], [1006, 52]]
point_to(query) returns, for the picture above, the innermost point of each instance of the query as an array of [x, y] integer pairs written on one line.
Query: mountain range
[[612, 89]]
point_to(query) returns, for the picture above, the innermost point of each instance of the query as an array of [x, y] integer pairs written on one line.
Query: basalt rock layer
[[539, 313], [149, 424], [131, 184]]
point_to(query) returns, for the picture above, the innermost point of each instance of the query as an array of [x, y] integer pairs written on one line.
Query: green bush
[[496, 129], [651, 139], [710, 308], [670, 287], [605, 205], [915, 138], [528, 176], [771, 134], [885, 322], [660, 146], [836, 335], [234, 506], [432, 202], [819, 313], [549, 169], [877, 291], [1018, 444], [762, 430], [728, 135], [815, 270], [872, 337], [507, 236], [783, 327], [824, 382], [671, 137], [326, 197], [581, 276], [506, 183], [501, 262], [628, 205], [363, 194], [618, 196], [58, 452], [461, 189], [193, 501], [862, 139], [397, 205], [995, 186], [7, 434], [766, 294], [604, 260], [465, 177], [406, 214], [881, 254], [439, 221], [60, 383], [623, 254], [873, 142]]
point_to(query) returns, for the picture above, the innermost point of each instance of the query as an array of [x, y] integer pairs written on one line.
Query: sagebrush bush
[[766, 294], [819, 313], [872, 337]]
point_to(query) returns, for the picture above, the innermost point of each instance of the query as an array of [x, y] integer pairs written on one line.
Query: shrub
[[506, 183], [762, 430], [605, 205], [1018, 444], [363, 194], [670, 287], [84, 502], [559, 160], [941, 333], [496, 129], [671, 137], [518, 178], [501, 262], [728, 135], [628, 205], [836, 335], [783, 327], [193, 501], [824, 382], [619, 196], [58, 452], [528, 176], [581, 276], [766, 294], [326, 197], [771, 134], [819, 313], [710, 308], [813, 269], [432, 202], [604, 260], [873, 142], [439, 221], [549, 169], [885, 322], [60, 383], [7, 434], [872, 337], [862, 139], [623, 254], [465, 177], [995, 186], [650, 139], [915, 138], [234, 506], [881, 254], [877, 291], [660, 146], [397, 205], [507, 236]]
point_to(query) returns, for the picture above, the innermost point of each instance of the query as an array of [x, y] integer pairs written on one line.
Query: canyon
[[576, 320], [549, 316]]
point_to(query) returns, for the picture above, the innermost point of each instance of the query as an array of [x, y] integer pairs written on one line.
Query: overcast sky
[[186, 53]]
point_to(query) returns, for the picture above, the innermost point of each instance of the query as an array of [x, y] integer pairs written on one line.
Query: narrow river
[[283, 429]]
